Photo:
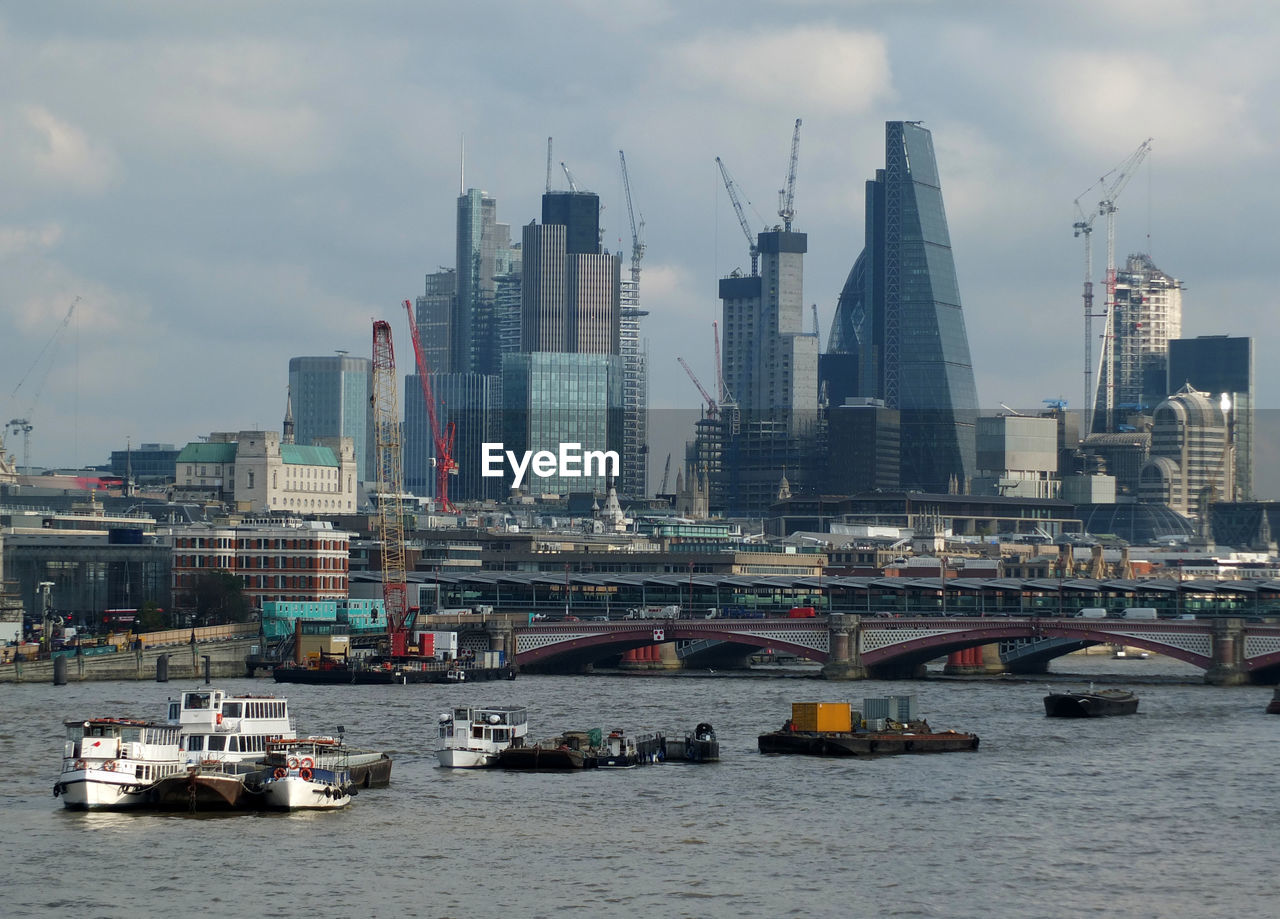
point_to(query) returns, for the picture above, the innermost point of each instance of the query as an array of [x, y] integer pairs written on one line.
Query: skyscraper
[[331, 398], [483, 254], [1132, 374], [1218, 364], [566, 385], [900, 312]]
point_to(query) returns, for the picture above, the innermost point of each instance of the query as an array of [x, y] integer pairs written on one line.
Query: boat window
[[500, 734], [173, 711], [231, 709], [233, 744], [75, 732], [197, 700], [131, 735], [217, 743], [195, 742]]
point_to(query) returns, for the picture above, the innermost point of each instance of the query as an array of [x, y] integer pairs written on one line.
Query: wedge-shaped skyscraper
[[899, 312]]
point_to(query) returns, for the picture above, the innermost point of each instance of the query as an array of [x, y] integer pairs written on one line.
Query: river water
[[1168, 813]]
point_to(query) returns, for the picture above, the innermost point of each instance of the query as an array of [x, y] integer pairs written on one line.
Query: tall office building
[[332, 397], [770, 367], [770, 363], [1189, 466], [1133, 370], [635, 389], [900, 313], [1221, 365], [566, 385], [434, 314], [472, 403], [483, 254]]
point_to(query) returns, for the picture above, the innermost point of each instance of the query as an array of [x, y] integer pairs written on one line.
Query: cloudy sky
[[225, 186]]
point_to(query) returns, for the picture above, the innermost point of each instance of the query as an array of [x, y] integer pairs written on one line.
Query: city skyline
[[223, 196]]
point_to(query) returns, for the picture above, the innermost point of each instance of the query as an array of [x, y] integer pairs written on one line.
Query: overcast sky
[[225, 186]]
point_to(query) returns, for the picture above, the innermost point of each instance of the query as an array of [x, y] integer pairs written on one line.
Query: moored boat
[[233, 729], [305, 774], [622, 751], [1273, 707], [829, 729], [698, 746], [383, 673], [475, 736], [1090, 703], [112, 763], [214, 785], [571, 750]]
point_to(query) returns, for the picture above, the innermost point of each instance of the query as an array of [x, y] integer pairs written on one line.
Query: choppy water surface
[[1169, 813]]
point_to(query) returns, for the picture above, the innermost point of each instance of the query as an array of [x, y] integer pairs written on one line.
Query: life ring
[[219, 717], [306, 762], [109, 765], [79, 764], [280, 772], [292, 762], [305, 774]]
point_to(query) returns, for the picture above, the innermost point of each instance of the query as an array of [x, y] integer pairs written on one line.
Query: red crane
[[444, 461], [712, 408]]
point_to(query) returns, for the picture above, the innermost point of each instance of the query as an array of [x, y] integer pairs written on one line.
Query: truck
[[1092, 612], [1141, 612], [802, 612]]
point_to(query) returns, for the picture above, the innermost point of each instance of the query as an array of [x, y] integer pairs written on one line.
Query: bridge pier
[[980, 660], [1228, 654], [844, 657]]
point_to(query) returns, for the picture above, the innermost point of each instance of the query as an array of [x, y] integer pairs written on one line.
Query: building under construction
[[1133, 371]]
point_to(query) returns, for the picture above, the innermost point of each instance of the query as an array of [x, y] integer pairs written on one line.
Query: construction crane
[[752, 241], [713, 408], [443, 461], [1107, 207], [548, 165], [666, 474], [573, 186], [23, 425], [787, 196], [386, 422], [637, 235]]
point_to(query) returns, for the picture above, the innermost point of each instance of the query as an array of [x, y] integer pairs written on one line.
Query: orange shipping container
[[821, 716]]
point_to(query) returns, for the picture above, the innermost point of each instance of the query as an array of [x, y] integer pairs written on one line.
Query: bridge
[[1230, 651]]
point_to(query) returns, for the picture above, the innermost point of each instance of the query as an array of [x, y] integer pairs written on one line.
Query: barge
[[831, 729], [1090, 704]]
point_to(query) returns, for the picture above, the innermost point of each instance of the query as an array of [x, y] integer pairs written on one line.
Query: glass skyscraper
[[332, 397], [900, 313]]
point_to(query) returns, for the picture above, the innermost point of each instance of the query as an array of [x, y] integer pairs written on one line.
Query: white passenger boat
[[112, 763], [216, 727], [474, 737], [306, 774]]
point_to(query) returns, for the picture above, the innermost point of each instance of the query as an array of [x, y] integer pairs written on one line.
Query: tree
[[219, 598], [151, 618]]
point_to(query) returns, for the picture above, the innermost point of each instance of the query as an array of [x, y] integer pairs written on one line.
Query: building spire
[[287, 428]]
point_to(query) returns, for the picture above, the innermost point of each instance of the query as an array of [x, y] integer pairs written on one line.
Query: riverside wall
[[185, 662]]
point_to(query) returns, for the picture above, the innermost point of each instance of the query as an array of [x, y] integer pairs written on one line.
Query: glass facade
[[332, 397], [472, 403], [554, 398], [900, 313], [1219, 364]]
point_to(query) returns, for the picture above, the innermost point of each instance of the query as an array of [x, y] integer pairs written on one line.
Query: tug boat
[[113, 763], [306, 774], [474, 737], [621, 751], [1090, 704], [699, 746]]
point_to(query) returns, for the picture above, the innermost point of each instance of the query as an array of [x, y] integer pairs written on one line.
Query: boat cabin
[[148, 750], [494, 727], [215, 726]]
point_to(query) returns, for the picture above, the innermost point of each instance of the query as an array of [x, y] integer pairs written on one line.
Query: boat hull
[[460, 758], [369, 770], [94, 790], [293, 793], [374, 677], [204, 790], [548, 758], [1273, 707], [1088, 705], [870, 743]]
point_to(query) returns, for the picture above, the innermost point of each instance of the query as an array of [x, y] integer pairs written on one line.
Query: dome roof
[[1138, 524]]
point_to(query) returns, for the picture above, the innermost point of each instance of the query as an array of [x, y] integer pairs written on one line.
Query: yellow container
[[821, 716]]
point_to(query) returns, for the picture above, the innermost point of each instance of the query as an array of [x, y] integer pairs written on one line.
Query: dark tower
[[900, 313]]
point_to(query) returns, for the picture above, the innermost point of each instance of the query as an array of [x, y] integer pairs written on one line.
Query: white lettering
[[518, 467], [570, 461], [570, 456], [492, 456], [601, 457], [544, 464]]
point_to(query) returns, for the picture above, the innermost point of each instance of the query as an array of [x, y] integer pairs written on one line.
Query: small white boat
[[216, 727], [306, 774], [474, 737], [112, 763]]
